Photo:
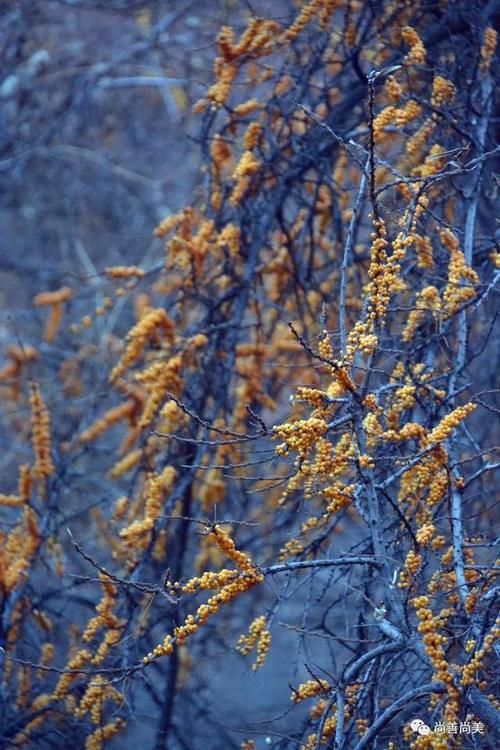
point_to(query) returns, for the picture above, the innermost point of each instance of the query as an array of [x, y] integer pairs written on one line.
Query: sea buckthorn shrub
[[273, 451]]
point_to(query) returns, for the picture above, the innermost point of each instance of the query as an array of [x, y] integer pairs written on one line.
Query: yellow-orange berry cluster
[[248, 576], [488, 49], [82, 657], [413, 562], [95, 740], [393, 89], [225, 74], [124, 272], [409, 113], [310, 689], [415, 144], [39, 707], [426, 533], [229, 236], [227, 545], [437, 488], [94, 693], [209, 580], [19, 356], [403, 398], [158, 485], [423, 249], [300, 436], [98, 691], [159, 379], [111, 638], [384, 271], [21, 545], [41, 439], [292, 548], [461, 277], [252, 136], [416, 53], [247, 166], [314, 396], [433, 641], [111, 417], [443, 91], [24, 484], [258, 39], [365, 461], [258, 636], [47, 653], [306, 15], [448, 423], [55, 300], [362, 726], [428, 300], [338, 497], [476, 663], [246, 108], [330, 725], [125, 464], [105, 617], [139, 335], [386, 117]]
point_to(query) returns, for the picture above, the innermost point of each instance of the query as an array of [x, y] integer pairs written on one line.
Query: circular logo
[[419, 726]]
